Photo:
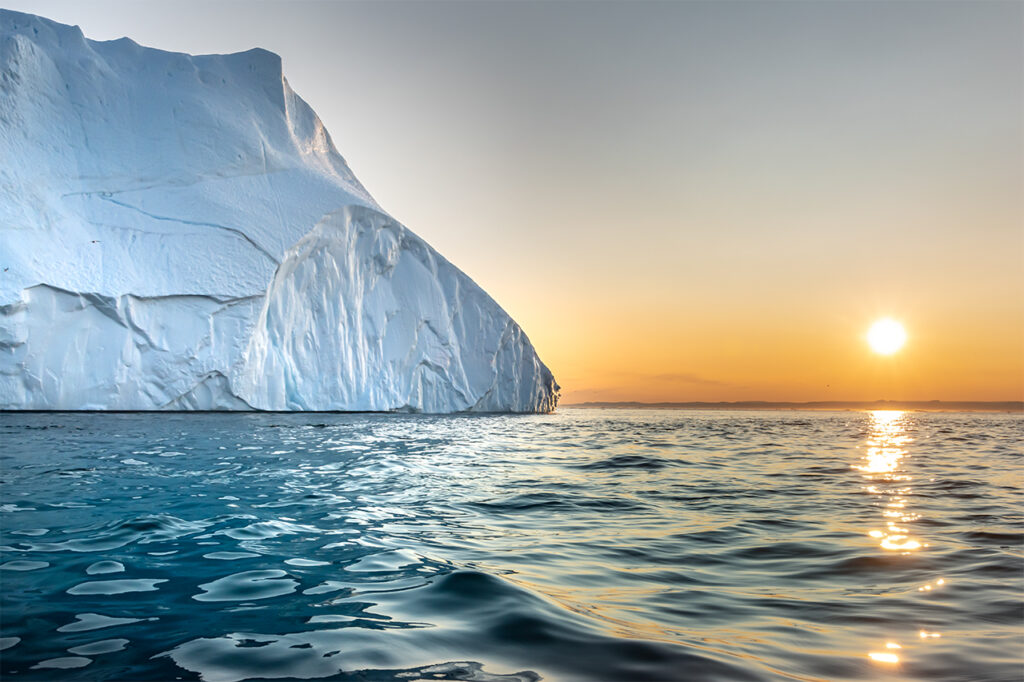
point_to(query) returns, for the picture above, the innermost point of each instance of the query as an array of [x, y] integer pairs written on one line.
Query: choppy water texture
[[587, 545]]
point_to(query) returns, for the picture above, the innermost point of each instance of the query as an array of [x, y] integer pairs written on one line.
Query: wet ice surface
[[588, 544]]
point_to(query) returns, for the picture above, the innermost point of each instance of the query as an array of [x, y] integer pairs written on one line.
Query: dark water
[[586, 545]]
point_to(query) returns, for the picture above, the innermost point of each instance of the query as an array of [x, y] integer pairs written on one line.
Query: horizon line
[[946, 405]]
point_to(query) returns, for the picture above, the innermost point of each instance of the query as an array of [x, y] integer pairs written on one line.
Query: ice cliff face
[[179, 232]]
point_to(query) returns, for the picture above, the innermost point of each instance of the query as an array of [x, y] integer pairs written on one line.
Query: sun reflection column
[[882, 467]]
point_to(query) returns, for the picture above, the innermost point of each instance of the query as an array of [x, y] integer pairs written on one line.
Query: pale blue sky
[[673, 168]]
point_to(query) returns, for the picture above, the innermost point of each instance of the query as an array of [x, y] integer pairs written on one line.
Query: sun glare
[[886, 336]]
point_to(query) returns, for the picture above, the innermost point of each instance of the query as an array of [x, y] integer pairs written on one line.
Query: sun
[[886, 336]]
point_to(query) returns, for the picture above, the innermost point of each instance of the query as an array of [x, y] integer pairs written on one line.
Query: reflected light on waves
[[884, 467], [882, 464]]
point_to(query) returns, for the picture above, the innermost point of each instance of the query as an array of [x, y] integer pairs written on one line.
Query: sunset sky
[[682, 200]]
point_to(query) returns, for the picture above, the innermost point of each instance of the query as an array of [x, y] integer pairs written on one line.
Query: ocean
[[589, 544]]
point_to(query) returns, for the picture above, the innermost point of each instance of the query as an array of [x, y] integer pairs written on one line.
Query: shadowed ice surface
[[582, 545]]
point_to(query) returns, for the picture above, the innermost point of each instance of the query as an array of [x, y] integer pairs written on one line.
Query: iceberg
[[178, 232]]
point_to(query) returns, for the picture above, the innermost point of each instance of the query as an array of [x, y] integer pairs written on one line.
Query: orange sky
[[683, 201], [741, 342]]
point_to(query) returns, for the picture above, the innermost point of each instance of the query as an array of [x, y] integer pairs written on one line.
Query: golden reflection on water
[[884, 467]]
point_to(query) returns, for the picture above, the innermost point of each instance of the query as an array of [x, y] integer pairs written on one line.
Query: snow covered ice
[[179, 232]]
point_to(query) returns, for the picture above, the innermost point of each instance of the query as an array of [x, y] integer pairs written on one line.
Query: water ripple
[[247, 586], [585, 545]]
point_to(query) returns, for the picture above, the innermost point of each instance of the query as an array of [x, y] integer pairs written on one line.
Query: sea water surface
[[582, 545]]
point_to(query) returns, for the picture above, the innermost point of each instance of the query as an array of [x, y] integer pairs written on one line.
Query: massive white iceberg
[[179, 232]]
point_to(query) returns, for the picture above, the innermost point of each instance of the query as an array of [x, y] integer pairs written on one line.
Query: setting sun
[[886, 336]]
